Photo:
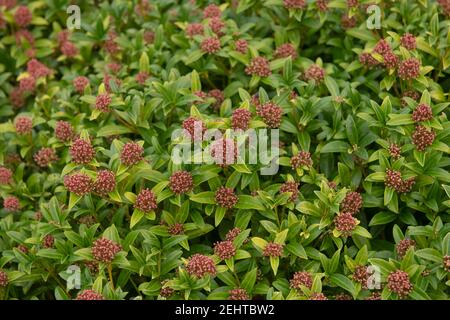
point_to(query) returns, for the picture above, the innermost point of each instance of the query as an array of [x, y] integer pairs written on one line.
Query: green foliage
[[343, 107]]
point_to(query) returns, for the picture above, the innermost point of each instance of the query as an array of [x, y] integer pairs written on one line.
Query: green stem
[[109, 267]]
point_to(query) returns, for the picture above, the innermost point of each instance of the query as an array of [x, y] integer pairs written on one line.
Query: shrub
[[358, 207]]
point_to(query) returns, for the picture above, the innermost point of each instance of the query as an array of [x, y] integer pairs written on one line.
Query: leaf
[[397, 234], [39, 21], [193, 56], [248, 282], [259, 242], [376, 177], [274, 263], [247, 202], [144, 63], [419, 294], [50, 253], [111, 130], [344, 282], [362, 34], [335, 146], [399, 119], [332, 86], [352, 130], [298, 250], [360, 231], [219, 214], [85, 253], [73, 200], [382, 218], [385, 266], [424, 46], [206, 197], [269, 226], [446, 245], [388, 194], [281, 236], [196, 85], [136, 217], [430, 254], [242, 254]]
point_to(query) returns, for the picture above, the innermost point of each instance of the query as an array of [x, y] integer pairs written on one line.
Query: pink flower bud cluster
[[273, 250], [102, 102], [286, 50], [82, 151], [361, 275], [241, 46], [105, 182], [238, 294], [259, 66], [48, 241], [131, 153], [3, 279], [146, 201], [301, 278], [271, 114], [314, 73], [322, 5], [11, 204], [408, 41], [403, 246], [290, 186], [423, 137], [399, 283], [212, 11], [393, 179], [105, 250], [210, 45], [345, 223], [294, 4], [181, 182], [224, 249], [89, 295], [224, 152], [67, 47], [200, 265], [409, 69], [352, 202], [241, 119], [23, 16], [80, 83], [395, 151], [194, 128], [423, 112], [225, 197], [194, 29], [176, 228], [303, 158], [45, 156], [78, 183], [23, 125], [5, 175]]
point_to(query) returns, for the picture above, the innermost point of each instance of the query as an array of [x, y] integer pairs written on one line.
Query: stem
[[135, 286], [53, 275], [237, 279], [122, 121], [110, 275]]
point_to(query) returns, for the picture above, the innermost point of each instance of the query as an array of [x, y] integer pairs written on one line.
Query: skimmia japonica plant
[[93, 205]]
